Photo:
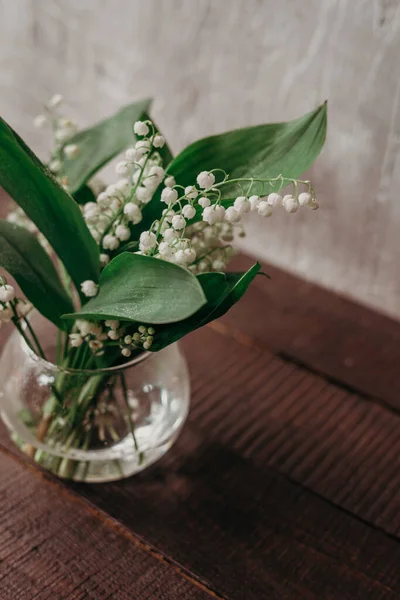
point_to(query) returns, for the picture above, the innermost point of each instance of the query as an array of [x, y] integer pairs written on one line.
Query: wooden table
[[285, 482]]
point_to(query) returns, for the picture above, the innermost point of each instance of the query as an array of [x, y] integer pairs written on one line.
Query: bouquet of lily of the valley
[[131, 267]]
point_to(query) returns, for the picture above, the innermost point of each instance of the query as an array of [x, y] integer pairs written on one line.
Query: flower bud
[[7, 293]]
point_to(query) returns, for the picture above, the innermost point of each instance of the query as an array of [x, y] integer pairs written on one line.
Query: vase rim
[[50, 365]]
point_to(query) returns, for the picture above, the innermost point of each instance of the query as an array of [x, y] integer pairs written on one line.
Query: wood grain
[[340, 339], [316, 462], [250, 532], [339, 444], [211, 68], [52, 548]]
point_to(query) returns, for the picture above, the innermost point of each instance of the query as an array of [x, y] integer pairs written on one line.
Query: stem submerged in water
[[129, 416], [80, 413]]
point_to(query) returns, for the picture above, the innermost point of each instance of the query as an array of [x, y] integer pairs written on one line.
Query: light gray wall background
[[213, 65]]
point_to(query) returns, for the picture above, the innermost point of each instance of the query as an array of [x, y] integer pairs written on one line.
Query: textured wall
[[212, 65]]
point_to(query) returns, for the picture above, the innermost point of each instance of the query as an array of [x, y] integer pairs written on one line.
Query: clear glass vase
[[92, 425]]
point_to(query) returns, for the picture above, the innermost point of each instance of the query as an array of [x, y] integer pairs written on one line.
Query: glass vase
[[92, 425]]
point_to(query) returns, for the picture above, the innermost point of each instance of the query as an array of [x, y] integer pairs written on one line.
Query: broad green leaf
[[144, 289], [48, 205], [215, 287], [24, 258], [263, 151], [102, 142], [222, 292], [238, 284]]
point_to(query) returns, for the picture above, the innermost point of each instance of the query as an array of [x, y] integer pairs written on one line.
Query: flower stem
[[131, 195], [58, 346], [17, 324], [34, 337], [129, 412]]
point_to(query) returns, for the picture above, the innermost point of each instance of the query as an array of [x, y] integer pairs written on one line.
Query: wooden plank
[[280, 416], [343, 340], [337, 443], [232, 521], [53, 548], [248, 531]]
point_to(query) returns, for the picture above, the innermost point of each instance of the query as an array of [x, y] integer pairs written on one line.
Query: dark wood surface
[[284, 484]]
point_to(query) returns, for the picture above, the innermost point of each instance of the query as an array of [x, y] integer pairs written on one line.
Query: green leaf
[[238, 284], [222, 292], [144, 289], [24, 258], [215, 287], [263, 151], [48, 205], [84, 195], [102, 142]]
